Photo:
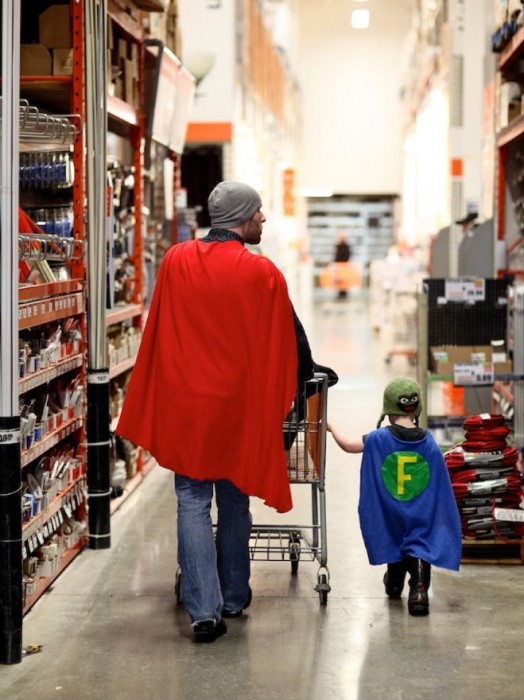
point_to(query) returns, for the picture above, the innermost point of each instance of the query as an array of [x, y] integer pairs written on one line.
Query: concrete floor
[[110, 628]]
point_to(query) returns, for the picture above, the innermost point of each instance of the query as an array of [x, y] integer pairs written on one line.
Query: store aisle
[[110, 629]]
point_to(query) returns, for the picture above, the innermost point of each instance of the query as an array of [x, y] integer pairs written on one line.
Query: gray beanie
[[232, 203]]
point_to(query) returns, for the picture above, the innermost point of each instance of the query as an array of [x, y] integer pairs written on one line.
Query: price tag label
[[509, 515], [465, 290], [473, 373]]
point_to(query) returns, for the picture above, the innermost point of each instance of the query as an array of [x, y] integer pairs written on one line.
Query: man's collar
[[221, 235]]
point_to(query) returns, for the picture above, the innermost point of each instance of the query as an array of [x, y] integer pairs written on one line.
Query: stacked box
[[485, 474]]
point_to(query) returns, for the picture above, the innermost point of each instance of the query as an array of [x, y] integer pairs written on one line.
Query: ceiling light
[[316, 192], [360, 19]]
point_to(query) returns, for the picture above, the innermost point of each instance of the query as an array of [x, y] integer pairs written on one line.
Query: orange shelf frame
[[36, 313], [512, 51]]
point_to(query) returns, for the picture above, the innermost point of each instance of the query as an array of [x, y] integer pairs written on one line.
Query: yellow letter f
[[402, 477]]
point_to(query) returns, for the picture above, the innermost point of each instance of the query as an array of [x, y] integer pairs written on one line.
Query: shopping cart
[[304, 434], [305, 443]]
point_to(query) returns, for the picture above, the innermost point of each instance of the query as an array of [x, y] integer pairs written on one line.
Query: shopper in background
[[214, 379], [408, 513], [342, 250], [341, 270]]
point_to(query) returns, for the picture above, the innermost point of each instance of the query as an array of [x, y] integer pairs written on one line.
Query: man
[[213, 382]]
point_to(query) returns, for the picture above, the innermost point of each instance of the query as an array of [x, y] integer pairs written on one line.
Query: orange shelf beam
[[123, 313], [512, 51]]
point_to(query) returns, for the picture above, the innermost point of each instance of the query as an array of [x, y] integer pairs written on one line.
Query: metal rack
[[492, 550], [305, 440], [42, 246]]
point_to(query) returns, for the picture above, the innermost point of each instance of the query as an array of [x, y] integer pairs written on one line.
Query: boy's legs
[[419, 582], [394, 578]]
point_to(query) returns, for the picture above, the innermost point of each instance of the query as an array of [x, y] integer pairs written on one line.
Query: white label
[[9, 437], [468, 373], [510, 515], [465, 290], [485, 487], [98, 378]]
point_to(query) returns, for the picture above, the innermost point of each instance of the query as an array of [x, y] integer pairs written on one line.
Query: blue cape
[[407, 506]]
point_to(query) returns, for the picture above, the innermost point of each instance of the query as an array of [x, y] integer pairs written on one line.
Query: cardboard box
[[62, 61], [54, 25], [443, 358], [152, 5], [35, 59]]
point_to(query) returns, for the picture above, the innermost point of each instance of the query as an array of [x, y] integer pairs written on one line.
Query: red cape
[[216, 371]]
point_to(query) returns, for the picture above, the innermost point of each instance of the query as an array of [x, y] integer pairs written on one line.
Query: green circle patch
[[405, 474]]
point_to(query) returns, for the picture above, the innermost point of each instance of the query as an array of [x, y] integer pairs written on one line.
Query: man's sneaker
[[238, 613], [208, 630]]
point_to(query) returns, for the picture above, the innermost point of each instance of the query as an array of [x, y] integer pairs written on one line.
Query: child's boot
[[420, 578], [394, 579]]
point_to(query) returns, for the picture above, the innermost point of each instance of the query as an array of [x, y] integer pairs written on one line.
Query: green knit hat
[[401, 398]]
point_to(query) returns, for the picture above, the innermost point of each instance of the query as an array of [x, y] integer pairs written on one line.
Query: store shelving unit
[[453, 327], [126, 124], [50, 304], [510, 143]]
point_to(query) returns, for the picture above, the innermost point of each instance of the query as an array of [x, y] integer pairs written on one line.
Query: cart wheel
[[294, 557], [323, 588], [178, 587], [294, 551]]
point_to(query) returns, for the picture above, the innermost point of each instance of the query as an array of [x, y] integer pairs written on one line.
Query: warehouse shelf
[[513, 51], [512, 132], [128, 23], [50, 440], [36, 313], [122, 367], [44, 376], [132, 484], [44, 583], [35, 526], [123, 313]]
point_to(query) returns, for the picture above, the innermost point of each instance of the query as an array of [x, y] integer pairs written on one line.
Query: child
[[408, 513]]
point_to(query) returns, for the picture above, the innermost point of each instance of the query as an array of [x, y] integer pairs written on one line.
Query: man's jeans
[[214, 576]]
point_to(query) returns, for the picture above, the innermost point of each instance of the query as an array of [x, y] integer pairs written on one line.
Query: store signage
[[469, 290], [473, 373], [288, 192]]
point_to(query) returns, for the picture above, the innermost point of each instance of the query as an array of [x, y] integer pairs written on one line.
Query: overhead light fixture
[[316, 192], [360, 19]]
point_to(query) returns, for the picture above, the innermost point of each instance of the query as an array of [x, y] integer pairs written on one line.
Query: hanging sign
[[288, 192]]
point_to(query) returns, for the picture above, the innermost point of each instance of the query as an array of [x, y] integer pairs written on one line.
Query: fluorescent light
[[316, 192], [360, 19]]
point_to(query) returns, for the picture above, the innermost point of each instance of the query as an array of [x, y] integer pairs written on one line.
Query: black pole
[[11, 578], [98, 444]]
